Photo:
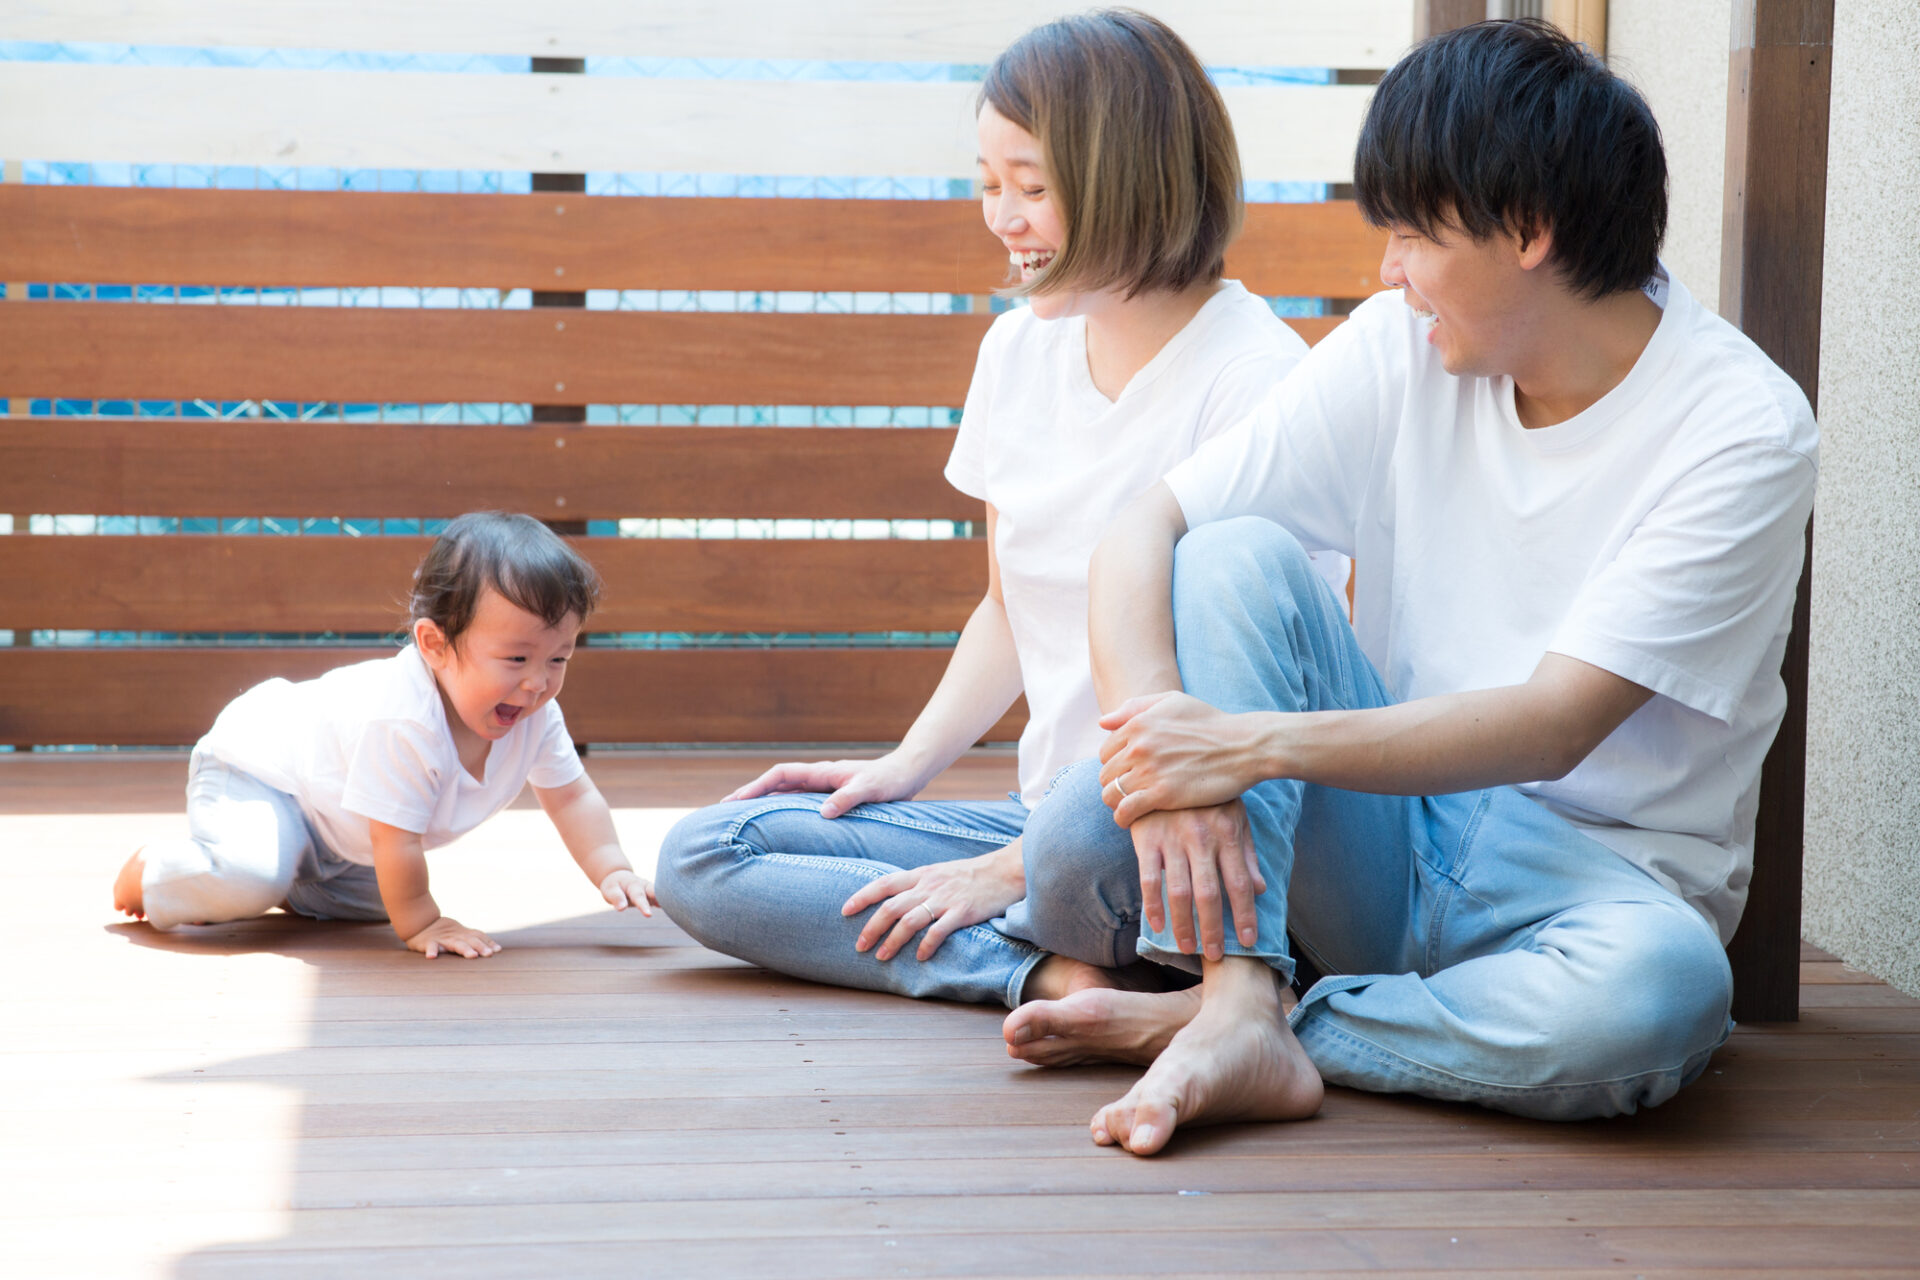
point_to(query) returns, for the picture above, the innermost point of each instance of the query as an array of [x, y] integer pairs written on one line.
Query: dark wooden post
[[570, 184], [1434, 16], [563, 300], [1778, 79]]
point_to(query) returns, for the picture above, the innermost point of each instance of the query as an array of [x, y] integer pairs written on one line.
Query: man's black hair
[[1510, 126]]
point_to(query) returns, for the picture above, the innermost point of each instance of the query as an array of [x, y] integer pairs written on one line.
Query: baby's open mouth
[[507, 712]]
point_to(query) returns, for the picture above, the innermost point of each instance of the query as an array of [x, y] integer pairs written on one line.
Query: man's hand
[[1173, 751], [448, 934], [939, 898], [624, 888], [1193, 856]]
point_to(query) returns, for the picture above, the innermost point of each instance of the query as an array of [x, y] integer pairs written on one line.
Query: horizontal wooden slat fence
[[166, 696], [245, 584], [308, 239], [557, 122], [201, 468], [196, 343]]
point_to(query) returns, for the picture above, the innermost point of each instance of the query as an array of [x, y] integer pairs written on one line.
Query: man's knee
[[1228, 559], [1662, 1000]]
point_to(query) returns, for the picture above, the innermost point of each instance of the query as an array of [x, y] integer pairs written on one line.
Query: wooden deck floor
[[281, 1098]]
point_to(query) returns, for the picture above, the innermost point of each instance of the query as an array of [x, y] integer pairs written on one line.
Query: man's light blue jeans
[[1478, 947]]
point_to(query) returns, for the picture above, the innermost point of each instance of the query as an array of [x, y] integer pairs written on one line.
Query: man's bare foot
[[127, 896], [1235, 1060], [1098, 1025]]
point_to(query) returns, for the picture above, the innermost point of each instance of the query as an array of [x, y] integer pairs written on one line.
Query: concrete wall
[[1675, 52], [1863, 767], [1863, 784]]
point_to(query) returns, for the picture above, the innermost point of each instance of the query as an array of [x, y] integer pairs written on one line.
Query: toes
[[1153, 1123], [1111, 1123]]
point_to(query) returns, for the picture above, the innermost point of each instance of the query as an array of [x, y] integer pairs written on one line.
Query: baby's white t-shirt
[[1058, 461], [371, 740], [1657, 535]]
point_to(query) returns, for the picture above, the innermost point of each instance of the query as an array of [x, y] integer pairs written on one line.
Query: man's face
[[1474, 295]]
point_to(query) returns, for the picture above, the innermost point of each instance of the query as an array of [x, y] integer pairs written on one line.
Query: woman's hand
[[1173, 751], [939, 898], [448, 934], [624, 888], [851, 782]]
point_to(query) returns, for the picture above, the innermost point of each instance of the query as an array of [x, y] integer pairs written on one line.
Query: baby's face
[[507, 664]]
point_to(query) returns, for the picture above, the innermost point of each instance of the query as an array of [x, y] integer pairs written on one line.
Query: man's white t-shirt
[[1058, 461], [371, 741], [1657, 535]]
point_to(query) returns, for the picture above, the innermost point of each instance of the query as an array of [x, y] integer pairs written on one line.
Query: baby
[[324, 796]]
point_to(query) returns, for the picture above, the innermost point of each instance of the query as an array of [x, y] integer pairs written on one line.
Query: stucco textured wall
[[1863, 784], [1676, 54]]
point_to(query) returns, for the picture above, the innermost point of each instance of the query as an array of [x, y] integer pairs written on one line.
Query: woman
[[1108, 168]]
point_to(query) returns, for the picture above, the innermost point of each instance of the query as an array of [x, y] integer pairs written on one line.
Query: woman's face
[[1018, 207]]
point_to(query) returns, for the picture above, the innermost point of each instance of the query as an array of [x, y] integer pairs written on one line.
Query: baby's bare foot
[[1235, 1060], [1098, 1025], [128, 898]]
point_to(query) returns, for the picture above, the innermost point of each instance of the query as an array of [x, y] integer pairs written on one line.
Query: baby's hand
[[448, 934], [625, 889]]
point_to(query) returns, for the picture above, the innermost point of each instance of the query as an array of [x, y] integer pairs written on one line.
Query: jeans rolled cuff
[[1173, 958], [1017, 981]]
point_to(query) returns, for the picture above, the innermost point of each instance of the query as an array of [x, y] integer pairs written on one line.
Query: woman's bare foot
[[1057, 977], [1236, 1060], [1098, 1025], [127, 896]]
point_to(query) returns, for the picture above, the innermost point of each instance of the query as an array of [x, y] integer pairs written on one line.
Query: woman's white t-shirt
[[1656, 535], [1058, 461], [371, 740]]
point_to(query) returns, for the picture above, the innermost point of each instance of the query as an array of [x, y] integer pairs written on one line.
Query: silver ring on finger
[[932, 915], [1117, 787]]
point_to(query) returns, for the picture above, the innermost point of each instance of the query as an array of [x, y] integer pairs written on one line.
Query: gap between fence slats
[[276, 117], [170, 696], [1240, 33], [172, 467], [196, 585], [133, 235]]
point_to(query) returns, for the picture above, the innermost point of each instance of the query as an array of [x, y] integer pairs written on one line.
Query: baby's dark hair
[[517, 556]]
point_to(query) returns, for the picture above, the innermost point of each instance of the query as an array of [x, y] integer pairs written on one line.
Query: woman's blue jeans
[[764, 880], [1478, 947]]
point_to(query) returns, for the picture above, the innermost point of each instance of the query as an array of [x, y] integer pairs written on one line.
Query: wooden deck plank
[[1388, 1251], [280, 1097], [568, 1206]]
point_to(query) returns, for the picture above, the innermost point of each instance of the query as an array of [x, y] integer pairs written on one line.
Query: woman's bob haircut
[[1139, 151]]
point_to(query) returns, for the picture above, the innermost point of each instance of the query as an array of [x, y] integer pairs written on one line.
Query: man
[[1510, 810]]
